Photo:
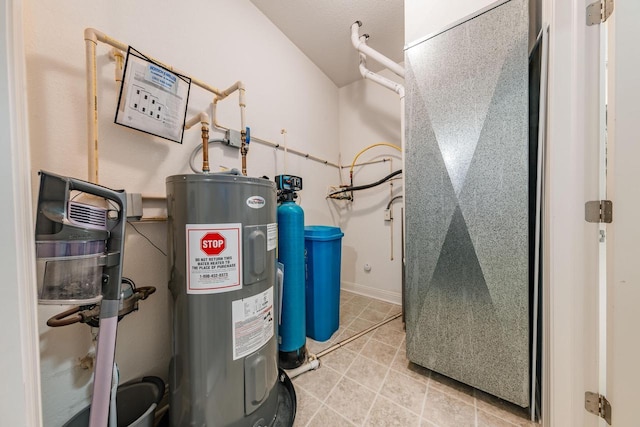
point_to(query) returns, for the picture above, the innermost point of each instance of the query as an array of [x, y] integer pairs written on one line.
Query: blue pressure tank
[[292, 330]]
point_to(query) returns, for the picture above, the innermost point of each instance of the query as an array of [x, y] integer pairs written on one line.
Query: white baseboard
[[368, 291]]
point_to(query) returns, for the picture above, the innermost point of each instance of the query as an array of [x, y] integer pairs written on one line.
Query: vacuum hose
[[89, 314]]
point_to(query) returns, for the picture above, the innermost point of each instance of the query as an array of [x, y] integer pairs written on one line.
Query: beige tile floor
[[370, 382]]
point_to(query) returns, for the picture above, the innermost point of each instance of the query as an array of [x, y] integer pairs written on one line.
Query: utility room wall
[[370, 114], [216, 41]]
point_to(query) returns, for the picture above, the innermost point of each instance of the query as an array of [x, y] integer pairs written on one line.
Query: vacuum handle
[[118, 196], [55, 188]]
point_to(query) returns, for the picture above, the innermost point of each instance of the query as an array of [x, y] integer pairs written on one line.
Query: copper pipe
[[243, 151], [205, 148]]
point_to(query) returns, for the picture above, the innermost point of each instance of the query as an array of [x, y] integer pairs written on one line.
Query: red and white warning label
[[253, 323], [214, 254]]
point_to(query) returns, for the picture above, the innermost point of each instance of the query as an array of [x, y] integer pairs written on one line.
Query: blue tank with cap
[[292, 330]]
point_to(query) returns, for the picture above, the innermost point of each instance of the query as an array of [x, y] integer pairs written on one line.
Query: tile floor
[[370, 382]]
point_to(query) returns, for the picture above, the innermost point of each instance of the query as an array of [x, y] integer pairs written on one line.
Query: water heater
[[222, 268]]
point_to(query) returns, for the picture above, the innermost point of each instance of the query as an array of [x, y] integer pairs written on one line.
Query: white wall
[[423, 18], [218, 42], [370, 113]]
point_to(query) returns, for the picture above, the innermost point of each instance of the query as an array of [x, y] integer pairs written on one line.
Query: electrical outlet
[[387, 214], [134, 205]]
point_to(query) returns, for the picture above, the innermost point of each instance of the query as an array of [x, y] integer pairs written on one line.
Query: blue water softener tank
[[292, 331]]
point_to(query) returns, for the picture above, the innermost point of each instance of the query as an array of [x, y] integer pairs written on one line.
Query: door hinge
[[597, 404], [599, 12], [598, 211]]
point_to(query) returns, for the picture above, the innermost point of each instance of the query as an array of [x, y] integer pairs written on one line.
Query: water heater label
[[252, 322], [272, 236], [214, 254], [256, 202]]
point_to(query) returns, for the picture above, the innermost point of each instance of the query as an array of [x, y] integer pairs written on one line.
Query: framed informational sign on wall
[[152, 98]]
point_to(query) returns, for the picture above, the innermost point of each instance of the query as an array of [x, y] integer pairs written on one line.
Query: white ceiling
[[321, 29]]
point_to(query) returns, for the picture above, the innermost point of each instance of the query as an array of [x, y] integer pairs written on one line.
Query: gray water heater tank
[[222, 252]]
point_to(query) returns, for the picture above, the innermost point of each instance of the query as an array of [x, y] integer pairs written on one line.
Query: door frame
[[623, 278], [570, 254], [568, 262], [20, 398]]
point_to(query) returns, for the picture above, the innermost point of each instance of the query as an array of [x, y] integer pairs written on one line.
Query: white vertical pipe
[[214, 112], [242, 104], [383, 81], [377, 56], [92, 105], [118, 56], [397, 88], [284, 142]]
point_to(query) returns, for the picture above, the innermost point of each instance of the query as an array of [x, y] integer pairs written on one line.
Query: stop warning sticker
[[213, 258]]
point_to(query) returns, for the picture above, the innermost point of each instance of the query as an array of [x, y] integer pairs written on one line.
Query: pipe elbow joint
[[363, 70], [116, 53], [202, 118], [355, 37], [90, 34]]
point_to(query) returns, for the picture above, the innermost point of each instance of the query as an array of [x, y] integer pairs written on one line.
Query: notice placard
[[272, 236], [253, 323], [213, 258], [152, 98]]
